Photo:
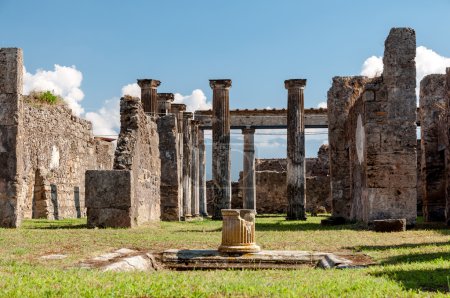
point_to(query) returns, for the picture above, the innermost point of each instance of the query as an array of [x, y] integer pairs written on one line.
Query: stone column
[[221, 147], [238, 231], [202, 173], [164, 103], [177, 110], [149, 95], [248, 179], [195, 203], [295, 150], [187, 156]]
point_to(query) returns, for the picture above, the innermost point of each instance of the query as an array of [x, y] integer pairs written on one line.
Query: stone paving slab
[[266, 259]]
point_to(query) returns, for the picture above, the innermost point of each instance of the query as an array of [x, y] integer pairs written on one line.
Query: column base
[[236, 249]]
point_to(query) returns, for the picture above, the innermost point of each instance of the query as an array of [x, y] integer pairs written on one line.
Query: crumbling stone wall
[[432, 105], [444, 142], [136, 164], [58, 148], [372, 136]]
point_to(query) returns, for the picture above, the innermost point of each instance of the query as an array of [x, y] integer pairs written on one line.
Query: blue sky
[[257, 44]]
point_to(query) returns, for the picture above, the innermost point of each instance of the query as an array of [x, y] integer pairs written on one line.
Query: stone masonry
[[137, 166], [44, 152], [372, 133], [432, 104]]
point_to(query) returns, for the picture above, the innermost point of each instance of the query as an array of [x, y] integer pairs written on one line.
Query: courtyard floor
[[412, 263]]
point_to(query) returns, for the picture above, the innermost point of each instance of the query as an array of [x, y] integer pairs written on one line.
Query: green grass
[[413, 263]]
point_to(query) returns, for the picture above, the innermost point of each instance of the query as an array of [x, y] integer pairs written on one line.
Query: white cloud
[[64, 81], [106, 121], [427, 62], [322, 105], [132, 90], [372, 67], [193, 102]]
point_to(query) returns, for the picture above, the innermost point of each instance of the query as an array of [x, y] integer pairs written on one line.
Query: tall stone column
[[221, 162], [164, 103], [187, 159], [195, 203], [149, 95], [296, 150], [248, 179], [177, 110], [202, 173]]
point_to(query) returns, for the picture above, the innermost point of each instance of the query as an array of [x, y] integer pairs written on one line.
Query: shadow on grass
[[42, 224], [424, 280], [416, 258], [285, 225], [405, 245]]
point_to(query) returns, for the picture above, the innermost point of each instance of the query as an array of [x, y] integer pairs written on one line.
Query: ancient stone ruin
[[373, 169]]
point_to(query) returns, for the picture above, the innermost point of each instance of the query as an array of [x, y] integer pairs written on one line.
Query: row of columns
[[192, 150]]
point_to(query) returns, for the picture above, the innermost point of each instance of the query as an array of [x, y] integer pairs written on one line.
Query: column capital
[[166, 97], [220, 84], [187, 115], [295, 83], [195, 122], [178, 107], [148, 83], [248, 130]]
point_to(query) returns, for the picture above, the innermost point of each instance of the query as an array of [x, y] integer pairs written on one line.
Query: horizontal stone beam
[[267, 119]]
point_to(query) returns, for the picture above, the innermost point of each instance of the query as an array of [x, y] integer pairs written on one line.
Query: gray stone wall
[[372, 138], [57, 150], [432, 104], [138, 151]]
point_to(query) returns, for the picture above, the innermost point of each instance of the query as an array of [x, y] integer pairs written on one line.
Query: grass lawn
[[413, 263]]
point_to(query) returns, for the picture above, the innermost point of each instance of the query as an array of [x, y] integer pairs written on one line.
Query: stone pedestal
[[296, 150], [248, 177], [238, 231], [149, 95], [221, 147]]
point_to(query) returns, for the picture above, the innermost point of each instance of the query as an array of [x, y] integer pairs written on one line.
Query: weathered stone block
[[9, 103], [11, 70], [109, 189], [389, 225]]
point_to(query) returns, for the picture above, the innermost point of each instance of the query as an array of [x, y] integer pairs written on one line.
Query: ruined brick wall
[[171, 187], [432, 104], [11, 119], [444, 141], [138, 151], [341, 97], [372, 137], [57, 150]]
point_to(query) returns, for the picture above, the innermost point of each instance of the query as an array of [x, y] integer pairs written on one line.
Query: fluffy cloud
[[106, 121], [427, 62], [132, 90], [322, 105], [193, 102], [64, 81]]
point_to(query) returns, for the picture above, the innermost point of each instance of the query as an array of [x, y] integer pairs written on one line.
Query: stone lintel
[[187, 115], [220, 84], [295, 83], [148, 83], [166, 97], [195, 122]]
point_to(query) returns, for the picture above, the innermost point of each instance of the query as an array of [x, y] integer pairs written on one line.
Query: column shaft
[[221, 147], [295, 150], [195, 203], [248, 179], [202, 173], [187, 156]]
